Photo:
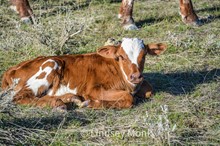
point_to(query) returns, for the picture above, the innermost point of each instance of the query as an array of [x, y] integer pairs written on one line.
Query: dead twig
[[68, 36]]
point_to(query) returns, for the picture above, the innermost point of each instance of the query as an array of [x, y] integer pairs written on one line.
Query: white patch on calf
[[34, 84], [132, 47], [15, 81], [64, 90], [126, 77]]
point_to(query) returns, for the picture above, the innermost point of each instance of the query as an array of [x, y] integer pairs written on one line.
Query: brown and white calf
[[125, 13], [109, 78]]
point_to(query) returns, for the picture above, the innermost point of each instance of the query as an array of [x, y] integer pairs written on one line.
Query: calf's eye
[[122, 58]]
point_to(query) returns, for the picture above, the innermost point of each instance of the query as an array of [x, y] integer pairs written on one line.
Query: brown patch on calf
[[25, 97], [41, 91], [48, 64], [41, 76], [141, 60]]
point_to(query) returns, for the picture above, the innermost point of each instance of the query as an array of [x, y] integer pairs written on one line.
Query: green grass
[[186, 78]]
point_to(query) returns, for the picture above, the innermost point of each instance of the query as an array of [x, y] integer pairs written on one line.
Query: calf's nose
[[136, 77]]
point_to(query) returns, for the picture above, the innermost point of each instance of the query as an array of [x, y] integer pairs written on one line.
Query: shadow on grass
[[47, 122], [209, 19], [209, 9], [206, 20], [62, 8], [150, 21], [180, 82], [65, 7]]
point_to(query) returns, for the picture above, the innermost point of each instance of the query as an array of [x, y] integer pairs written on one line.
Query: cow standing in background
[[187, 13], [125, 14], [110, 78], [23, 8]]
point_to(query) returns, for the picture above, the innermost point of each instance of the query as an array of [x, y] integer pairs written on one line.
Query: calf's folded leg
[[27, 97], [145, 90], [111, 99]]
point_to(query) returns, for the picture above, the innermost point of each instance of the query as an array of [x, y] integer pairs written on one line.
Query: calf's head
[[130, 55]]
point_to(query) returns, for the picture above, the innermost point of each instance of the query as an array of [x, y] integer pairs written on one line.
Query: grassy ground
[[185, 108]]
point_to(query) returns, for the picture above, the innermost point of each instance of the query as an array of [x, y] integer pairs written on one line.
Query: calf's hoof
[[84, 104], [130, 27], [59, 106], [62, 108]]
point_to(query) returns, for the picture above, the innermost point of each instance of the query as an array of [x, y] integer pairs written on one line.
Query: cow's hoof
[[195, 23], [84, 104], [62, 108], [130, 27], [27, 20]]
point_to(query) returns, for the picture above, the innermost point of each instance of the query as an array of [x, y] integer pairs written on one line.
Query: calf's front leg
[[145, 90], [111, 99]]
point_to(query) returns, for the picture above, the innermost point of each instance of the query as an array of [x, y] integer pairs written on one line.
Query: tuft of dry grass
[[185, 107]]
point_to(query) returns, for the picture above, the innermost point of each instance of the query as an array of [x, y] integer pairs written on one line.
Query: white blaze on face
[[34, 83], [132, 47], [126, 77], [15, 81]]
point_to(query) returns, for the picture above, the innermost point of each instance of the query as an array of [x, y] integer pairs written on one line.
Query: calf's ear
[[108, 51], [155, 49]]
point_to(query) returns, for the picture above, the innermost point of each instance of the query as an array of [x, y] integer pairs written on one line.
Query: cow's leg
[[145, 90], [188, 14], [125, 14], [111, 99], [22, 7]]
